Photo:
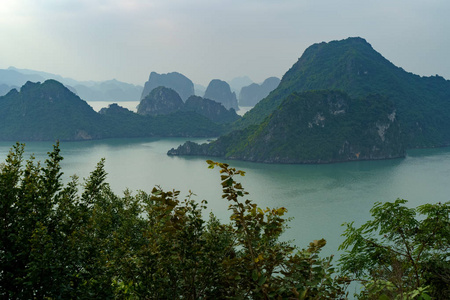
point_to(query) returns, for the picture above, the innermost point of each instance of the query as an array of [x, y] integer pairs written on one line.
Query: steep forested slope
[[353, 66], [314, 127]]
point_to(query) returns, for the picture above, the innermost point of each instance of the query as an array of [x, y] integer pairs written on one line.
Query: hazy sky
[[207, 39]]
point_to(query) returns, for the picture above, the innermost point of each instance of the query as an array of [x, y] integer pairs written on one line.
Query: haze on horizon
[[208, 39]]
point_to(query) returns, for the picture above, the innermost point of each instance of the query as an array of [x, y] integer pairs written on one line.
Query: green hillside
[[46, 111], [314, 127], [353, 66], [49, 111]]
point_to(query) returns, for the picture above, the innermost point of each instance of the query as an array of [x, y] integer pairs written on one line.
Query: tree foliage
[[61, 242], [82, 241], [321, 126], [402, 253]]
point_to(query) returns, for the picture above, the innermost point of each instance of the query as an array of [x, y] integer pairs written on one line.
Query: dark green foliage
[[49, 111], [160, 101], [181, 123], [61, 243], [46, 111], [353, 66], [210, 109], [402, 253], [314, 127]]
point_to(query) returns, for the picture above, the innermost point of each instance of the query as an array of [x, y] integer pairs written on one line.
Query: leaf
[[262, 280], [255, 275]]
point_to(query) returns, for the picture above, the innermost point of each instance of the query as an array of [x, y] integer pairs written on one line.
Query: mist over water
[[319, 198]]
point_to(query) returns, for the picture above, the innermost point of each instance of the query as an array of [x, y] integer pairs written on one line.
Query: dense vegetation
[[160, 101], [46, 111], [57, 242], [165, 101], [313, 127], [213, 110], [402, 253], [353, 66], [49, 111]]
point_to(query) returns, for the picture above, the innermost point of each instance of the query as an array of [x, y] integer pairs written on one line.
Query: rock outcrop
[[176, 81], [220, 91], [252, 94], [237, 83], [213, 110], [160, 101]]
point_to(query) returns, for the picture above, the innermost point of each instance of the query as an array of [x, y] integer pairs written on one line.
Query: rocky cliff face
[[213, 110], [314, 127], [176, 81], [160, 101], [252, 94], [220, 91]]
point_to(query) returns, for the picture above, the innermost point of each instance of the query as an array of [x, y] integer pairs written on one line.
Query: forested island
[[341, 101], [313, 127], [385, 110], [50, 111]]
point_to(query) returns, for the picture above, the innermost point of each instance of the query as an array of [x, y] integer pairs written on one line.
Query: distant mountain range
[[117, 91], [288, 123], [110, 90]]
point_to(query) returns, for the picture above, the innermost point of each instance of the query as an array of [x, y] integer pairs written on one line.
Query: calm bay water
[[318, 197]]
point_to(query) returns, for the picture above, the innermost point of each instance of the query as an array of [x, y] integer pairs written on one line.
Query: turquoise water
[[318, 197]]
